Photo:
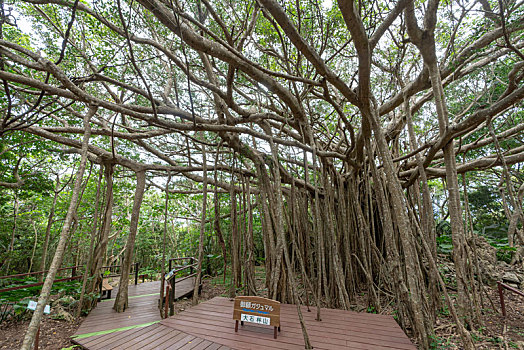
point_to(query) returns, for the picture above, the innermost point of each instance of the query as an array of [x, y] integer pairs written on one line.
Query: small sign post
[[47, 309], [257, 310]]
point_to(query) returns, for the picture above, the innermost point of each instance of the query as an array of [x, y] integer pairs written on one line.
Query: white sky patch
[[327, 4]]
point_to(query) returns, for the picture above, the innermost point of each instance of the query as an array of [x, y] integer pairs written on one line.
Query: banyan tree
[[328, 119]]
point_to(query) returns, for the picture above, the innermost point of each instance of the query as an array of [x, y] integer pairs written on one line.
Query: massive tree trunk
[[64, 235], [121, 300]]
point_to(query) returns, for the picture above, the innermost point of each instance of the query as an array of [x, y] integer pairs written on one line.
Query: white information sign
[[255, 319], [32, 306]]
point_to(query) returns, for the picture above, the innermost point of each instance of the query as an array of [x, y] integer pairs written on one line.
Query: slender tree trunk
[[64, 235], [425, 41], [164, 243], [89, 262], [514, 230], [284, 246], [249, 270], [413, 292], [34, 246], [101, 247], [233, 246], [121, 300], [428, 223], [202, 228], [48, 229], [13, 231], [460, 250]]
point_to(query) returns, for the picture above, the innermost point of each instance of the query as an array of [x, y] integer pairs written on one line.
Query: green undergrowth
[[219, 280], [13, 304], [503, 251]]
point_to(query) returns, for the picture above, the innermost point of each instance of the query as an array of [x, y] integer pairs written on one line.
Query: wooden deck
[[142, 309], [210, 326]]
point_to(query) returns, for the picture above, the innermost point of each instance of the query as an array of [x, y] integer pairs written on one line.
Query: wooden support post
[[172, 297], [136, 273], [166, 301], [101, 282], [501, 296]]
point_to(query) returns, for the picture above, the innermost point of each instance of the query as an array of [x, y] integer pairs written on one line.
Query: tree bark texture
[[121, 300], [64, 236]]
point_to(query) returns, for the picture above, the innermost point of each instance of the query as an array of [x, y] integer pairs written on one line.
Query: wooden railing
[[114, 271], [172, 280], [73, 276], [503, 286]]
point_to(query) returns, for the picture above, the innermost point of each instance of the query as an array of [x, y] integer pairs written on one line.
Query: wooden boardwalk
[[210, 326], [142, 309]]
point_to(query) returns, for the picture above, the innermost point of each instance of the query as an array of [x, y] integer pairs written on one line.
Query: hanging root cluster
[[348, 236]]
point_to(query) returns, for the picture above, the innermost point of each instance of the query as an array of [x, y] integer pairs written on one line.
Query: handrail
[[39, 272], [40, 283], [136, 264], [194, 260], [501, 295], [171, 286], [180, 268]]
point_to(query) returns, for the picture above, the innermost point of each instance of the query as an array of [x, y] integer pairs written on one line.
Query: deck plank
[[142, 309], [212, 320], [210, 326]]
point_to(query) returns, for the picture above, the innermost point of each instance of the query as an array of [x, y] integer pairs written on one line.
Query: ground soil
[[56, 334], [494, 332]]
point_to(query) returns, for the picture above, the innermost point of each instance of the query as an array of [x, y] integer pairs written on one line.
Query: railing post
[[73, 271], [101, 282], [136, 273], [166, 301], [170, 264], [172, 297], [501, 296]]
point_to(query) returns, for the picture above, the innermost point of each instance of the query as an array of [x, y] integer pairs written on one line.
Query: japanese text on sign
[[255, 319], [255, 306]]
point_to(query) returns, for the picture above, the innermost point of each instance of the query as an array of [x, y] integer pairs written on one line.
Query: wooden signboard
[[257, 310]]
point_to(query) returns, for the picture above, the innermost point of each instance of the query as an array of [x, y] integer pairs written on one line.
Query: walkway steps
[[142, 309]]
